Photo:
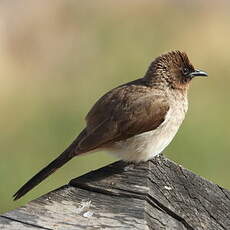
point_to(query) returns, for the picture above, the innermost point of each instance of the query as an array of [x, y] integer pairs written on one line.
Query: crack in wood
[[154, 218], [172, 214], [138, 196], [223, 191], [25, 223]]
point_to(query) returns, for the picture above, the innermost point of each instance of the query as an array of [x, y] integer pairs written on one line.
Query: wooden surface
[[157, 194]]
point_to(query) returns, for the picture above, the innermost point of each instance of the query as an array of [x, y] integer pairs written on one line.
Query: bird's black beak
[[197, 73]]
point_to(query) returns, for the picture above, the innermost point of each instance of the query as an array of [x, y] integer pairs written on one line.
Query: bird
[[135, 121]]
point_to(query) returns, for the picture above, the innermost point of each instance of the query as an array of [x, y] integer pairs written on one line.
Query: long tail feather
[[67, 155]]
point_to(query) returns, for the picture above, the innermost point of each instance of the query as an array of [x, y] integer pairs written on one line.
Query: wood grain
[[157, 194]]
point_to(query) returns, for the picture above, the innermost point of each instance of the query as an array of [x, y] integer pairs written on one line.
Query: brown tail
[[67, 155]]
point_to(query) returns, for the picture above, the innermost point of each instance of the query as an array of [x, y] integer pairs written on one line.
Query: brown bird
[[135, 121]]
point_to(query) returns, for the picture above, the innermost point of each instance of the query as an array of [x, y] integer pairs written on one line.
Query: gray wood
[[157, 194]]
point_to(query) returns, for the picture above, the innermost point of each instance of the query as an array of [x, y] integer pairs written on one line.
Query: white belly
[[145, 146]]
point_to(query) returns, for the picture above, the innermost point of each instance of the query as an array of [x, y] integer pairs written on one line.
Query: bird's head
[[172, 69]]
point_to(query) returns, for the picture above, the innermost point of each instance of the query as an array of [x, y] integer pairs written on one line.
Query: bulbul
[[136, 120]]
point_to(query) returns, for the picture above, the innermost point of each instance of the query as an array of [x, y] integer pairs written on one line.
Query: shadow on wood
[[157, 194]]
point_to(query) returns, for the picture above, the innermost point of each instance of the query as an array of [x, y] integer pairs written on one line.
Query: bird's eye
[[185, 71]]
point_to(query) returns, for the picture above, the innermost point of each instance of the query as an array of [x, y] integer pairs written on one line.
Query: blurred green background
[[58, 57]]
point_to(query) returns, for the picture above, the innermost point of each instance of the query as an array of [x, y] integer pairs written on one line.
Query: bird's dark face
[[175, 69]]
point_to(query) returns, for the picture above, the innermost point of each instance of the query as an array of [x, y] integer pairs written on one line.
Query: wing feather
[[123, 113]]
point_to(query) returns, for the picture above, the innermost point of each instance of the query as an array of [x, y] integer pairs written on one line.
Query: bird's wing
[[122, 113]]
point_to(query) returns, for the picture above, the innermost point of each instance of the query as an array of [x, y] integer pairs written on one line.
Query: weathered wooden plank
[[72, 208], [8, 223], [157, 194], [190, 199]]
